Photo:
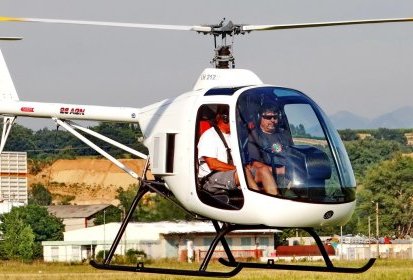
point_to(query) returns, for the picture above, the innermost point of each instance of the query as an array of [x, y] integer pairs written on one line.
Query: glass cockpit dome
[[310, 151]]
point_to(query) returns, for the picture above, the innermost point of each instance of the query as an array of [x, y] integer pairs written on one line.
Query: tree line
[[46, 145]]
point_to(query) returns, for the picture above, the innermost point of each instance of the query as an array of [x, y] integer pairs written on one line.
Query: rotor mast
[[223, 58]]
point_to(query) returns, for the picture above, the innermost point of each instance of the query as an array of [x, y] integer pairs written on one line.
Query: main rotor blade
[[112, 24], [320, 24], [208, 29], [10, 38]]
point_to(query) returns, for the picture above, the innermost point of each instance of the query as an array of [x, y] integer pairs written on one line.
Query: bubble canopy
[[287, 132]]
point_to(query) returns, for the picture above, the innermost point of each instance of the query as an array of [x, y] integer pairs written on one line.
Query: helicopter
[[318, 188]]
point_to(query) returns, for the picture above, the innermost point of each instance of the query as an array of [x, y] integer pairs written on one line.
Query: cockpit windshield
[[289, 149]]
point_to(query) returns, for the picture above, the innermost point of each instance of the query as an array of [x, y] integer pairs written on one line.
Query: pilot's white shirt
[[211, 145]]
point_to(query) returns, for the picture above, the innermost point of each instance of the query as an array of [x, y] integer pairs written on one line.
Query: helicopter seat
[[204, 125], [220, 198], [308, 169]]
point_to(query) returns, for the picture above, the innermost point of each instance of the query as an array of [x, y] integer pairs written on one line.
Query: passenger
[[267, 148], [216, 169]]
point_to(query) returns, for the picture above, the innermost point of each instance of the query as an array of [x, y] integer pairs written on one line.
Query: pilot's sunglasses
[[269, 117]]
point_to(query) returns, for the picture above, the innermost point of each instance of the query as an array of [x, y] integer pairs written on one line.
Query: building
[[177, 240], [6, 206], [76, 216], [13, 177], [409, 137], [189, 241], [360, 247]]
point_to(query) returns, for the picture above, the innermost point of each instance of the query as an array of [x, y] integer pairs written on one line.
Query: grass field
[[382, 270]]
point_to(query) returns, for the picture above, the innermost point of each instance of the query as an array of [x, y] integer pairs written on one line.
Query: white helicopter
[[321, 186]]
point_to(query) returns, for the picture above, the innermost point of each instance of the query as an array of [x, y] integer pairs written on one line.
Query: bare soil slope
[[90, 181]]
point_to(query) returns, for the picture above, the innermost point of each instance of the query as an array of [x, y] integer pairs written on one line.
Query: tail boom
[[69, 111]]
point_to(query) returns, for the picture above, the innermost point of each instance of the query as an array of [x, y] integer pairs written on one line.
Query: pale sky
[[367, 70]]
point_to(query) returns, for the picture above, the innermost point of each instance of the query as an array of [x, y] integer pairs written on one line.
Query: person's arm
[[217, 165], [258, 164]]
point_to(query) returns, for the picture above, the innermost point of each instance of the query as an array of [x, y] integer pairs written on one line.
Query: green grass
[[382, 270]]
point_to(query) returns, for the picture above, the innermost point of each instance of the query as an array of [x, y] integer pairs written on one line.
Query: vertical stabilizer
[[7, 93], [7, 90]]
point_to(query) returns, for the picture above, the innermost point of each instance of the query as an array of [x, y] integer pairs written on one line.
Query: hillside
[[400, 118], [90, 181]]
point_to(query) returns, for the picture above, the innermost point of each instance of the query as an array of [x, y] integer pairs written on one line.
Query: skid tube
[[272, 265], [146, 186]]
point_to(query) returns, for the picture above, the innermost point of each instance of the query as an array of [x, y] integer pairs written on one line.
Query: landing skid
[[328, 268], [141, 268], [160, 188], [271, 265]]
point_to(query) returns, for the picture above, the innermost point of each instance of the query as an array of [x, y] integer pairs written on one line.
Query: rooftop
[[76, 211]]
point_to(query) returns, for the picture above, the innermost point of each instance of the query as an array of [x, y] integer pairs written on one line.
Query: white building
[[187, 241], [13, 177], [6, 206]]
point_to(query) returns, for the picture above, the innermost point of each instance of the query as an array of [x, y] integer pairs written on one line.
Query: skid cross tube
[[224, 243], [219, 237]]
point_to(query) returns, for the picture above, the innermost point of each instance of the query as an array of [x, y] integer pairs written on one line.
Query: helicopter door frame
[[226, 200]]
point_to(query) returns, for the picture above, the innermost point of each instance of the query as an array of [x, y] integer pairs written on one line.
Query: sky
[[365, 69]]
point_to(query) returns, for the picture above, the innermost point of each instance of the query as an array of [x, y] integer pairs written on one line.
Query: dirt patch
[[90, 181]]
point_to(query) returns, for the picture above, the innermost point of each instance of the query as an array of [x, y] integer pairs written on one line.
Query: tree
[[390, 183], [124, 133], [44, 225], [390, 134], [367, 152], [156, 208], [20, 139], [18, 237], [40, 195], [125, 198], [26, 247], [109, 215], [56, 143], [299, 131], [151, 208], [348, 135], [48, 145]]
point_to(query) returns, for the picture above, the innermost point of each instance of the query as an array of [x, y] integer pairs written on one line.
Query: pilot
[[216, 170], [267, 150]]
